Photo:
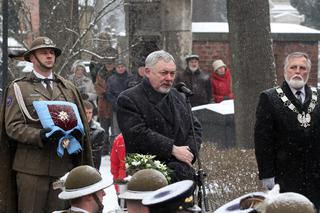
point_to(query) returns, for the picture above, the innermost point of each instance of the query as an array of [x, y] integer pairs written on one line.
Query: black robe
[[286, 150]]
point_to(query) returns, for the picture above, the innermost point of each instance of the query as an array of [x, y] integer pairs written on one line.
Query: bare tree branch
[[99, 15]]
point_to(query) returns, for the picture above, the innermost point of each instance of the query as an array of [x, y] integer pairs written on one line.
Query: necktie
[[48, 85], [298, 95]]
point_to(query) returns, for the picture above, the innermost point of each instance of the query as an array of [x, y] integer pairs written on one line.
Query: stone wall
[[210, 50]]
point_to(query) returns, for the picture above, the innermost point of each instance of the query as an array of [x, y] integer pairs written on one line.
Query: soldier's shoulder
[[65, 82], [20, 81]]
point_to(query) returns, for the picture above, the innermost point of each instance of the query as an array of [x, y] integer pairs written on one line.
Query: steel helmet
[[143, 183], [289, 202], [41, 43], [81, 181]]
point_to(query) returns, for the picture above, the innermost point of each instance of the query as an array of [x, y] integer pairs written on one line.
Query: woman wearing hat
[[84, 84], [221, 82]]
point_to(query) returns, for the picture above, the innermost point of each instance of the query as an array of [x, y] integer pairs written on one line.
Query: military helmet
[[171, 198], [289, 202], [143, 183], [81, 181], [41, 43]]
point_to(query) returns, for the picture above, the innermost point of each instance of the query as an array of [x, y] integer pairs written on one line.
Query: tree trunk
[[253, 64], [176, 24]]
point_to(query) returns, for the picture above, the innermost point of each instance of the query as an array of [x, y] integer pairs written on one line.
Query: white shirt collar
[[303, 92], [76, 209], [41, 76]]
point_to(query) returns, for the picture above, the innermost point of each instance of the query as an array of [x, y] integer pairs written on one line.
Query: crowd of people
[[121, 112]]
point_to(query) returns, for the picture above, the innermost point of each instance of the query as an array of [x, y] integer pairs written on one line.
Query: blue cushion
[[61, 116]]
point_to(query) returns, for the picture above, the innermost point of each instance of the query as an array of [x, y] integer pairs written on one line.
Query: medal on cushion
[[65, 143], [303, 118]]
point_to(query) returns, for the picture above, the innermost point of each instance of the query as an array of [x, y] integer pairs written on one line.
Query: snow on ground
[[110, 201]]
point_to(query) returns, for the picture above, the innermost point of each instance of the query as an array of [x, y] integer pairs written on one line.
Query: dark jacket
[[199, 83], [116, 83], [97, 135], [152, 123], [286, 150]]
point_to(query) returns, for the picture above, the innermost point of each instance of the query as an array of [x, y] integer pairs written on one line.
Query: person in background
[[117, 83], [287, 132], [97, 135], [196, 80], [84, 188], [118, 161], [154, 118], [221, 82], [35, 161], [83, 83], [104, 106], [137, 77]]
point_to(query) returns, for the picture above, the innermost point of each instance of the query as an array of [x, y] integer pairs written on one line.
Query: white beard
[[296, 83], [193, 69]]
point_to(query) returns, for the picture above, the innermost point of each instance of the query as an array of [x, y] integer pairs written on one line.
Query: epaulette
[[19, 79]]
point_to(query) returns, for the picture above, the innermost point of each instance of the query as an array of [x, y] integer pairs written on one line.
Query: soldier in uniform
[[142, 183], [84, 188], [269, 202], [176, 197], [35, 161]]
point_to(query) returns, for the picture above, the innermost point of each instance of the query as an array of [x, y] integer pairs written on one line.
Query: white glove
[[268, 183]]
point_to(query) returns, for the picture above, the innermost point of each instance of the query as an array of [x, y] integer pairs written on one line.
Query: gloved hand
[[268, 183], [77, 134], [53, 138]]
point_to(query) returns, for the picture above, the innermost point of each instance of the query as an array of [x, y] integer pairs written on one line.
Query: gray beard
[[296, 84], [193, 69]]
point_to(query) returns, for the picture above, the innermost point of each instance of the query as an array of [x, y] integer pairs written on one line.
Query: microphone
[[181, 87]]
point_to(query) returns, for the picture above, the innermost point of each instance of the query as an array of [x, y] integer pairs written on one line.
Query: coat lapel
[[293, 98]]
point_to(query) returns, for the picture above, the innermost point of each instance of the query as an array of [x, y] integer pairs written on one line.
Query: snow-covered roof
[[224, 107], [12, 42], [222, 27]]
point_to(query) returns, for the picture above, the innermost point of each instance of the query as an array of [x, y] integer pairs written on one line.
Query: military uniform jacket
[[286, 150], [32, 155], [152, 123]]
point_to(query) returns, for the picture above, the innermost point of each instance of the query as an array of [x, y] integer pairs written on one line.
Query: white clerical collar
[[76, 209], [38, 75]]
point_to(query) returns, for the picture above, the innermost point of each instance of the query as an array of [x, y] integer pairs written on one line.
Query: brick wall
[[212, 50]]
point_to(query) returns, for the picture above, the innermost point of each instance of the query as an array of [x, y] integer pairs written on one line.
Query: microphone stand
[[200, 175]]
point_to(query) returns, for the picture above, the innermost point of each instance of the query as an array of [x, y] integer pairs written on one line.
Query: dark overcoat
[[286, 150], [199, 83], [152, 123]]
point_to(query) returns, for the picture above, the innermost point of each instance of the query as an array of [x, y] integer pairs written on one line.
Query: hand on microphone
[[183, 153]]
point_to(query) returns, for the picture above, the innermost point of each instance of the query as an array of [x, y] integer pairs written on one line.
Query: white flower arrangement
[[136, 162]]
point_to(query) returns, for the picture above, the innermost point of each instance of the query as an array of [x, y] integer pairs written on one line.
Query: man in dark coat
[[97, 135], [117, 83], [287, 132], [154, 119], [196, 80], [34, 154]]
